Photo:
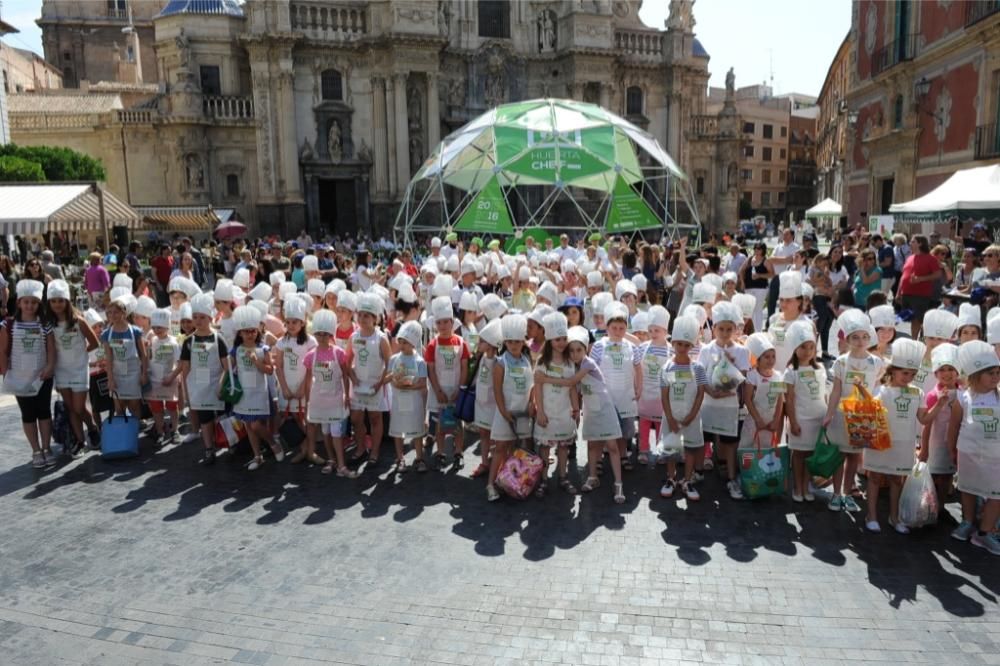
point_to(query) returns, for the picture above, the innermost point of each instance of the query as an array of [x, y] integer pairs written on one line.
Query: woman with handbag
[[252, 361]]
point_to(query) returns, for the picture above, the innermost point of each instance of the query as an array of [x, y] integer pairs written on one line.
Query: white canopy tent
[[969, 193], [825, 208], [28, 209]]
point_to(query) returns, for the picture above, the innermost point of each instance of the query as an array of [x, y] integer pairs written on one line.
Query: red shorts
[[156, 406]]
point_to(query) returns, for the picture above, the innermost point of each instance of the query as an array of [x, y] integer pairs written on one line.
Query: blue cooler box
[[120, 437]]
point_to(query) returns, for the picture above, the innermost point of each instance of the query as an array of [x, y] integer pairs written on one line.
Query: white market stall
[[828, 211], [967, 194]]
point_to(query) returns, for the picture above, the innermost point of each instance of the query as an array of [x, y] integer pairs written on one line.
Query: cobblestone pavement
[[159, 561]]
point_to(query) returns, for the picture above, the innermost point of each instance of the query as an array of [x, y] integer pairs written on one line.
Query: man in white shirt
[[450, 248], [734, 261], [565, 250], [304, 240], [781, 258]]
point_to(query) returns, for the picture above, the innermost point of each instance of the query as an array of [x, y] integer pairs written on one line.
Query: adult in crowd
[[754, 277], [868, 278], [781, 259], [198, 257], [10, 275], [886, 263], [96, 280], [33, 271], [900, 252], [163, 268], [916, 284], [966, 272], [49, 265], [943, 255], [978, 239]]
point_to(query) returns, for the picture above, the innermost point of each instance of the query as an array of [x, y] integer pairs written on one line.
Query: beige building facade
[[315, 113]]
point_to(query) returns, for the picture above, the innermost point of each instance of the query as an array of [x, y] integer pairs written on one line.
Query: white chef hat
[[118, 292], [698, 312], [160, 318], [261, 307], [491, 333], [728, 276], [144, 306], [276, 278], [412, 332], [315, 287], [615, 310], [539, 313], [370, 303], [799, 332], [746, 303], [686, 329], [625, 287], [759, 344], [503, 272], [568, 266], [336, 286], [640, 281], [443, 284], [703, 292], [181, 284], [514, 327], [726, 311], [58, 289], [714, 280], [595, 279], [468, 265], [441, 308], [469, 301], [555, 325], [944, 354], [790, 284], [659, 316], [435, 242], [262, 292], [451, 264], [940, 324], [30, 289], [578, 334], [324, 321], [640, 322], [993, 326], [600, 302], [399, 280], [347, 300], [93, 317], [225, 291], [242, 278], [908, 354], [492, 306], [406, 294], [310, 262], [294, 308], [969, 315], [549, 292], [125, 301], [976, 355], [285, 289], [853, 321], [882, 316], [185, 312], [246, 317], [122, 280], [807, 291]]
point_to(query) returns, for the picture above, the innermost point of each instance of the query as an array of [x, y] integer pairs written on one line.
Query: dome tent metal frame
[[481, 174]]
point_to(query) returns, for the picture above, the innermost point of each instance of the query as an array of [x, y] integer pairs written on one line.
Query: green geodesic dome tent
[[506, 171]]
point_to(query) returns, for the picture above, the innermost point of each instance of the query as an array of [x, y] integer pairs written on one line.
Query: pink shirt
[[96, 279], [324, 356]]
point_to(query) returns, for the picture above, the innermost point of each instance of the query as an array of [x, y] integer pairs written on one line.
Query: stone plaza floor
[[157, 560]]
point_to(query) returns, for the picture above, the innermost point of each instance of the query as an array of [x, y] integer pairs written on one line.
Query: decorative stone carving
[[871, 26], [334, 148], [415, 14], [731, 181], [364, 152], [546, 31], [444, 17], [681, 16], [456, 92], [195, 172], [416, 152], [730, 83], [306, 153], [942, 112], [414, 104], [495, 88], [183, 45], [620, 8]]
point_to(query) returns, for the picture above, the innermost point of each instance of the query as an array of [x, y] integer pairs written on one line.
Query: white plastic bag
[[670, 443], [726, 376], [918, 502]]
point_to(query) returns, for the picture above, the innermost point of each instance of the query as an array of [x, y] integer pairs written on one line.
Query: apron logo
[[903, 405], [292, 358], [363, 356], [520, 384], [991, 425], [678, 390]]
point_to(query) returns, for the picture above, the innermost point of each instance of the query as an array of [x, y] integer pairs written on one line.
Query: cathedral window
[[633, 101], [232, 185], [494, 18], [210, 80], [332, 85]]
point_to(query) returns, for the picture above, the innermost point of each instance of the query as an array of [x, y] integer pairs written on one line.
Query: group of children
[[589, 363]]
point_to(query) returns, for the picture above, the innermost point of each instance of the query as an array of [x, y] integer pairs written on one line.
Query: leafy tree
[[16, 169], [57, 163]]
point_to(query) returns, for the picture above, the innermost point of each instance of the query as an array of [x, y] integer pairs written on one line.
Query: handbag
[[826, 458], [120, 437], [866, 420], [291, 430], [232, 390], [520, 473], [763, 471], [100, 396], [229, 432], [465, 403]]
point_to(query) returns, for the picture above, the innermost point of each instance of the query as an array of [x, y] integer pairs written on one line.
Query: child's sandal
[[328, 468], [540, 490], [567, 485], [401, 466], [619, 493], [591, 483], [420, 465], [480, 470], [627, 464]]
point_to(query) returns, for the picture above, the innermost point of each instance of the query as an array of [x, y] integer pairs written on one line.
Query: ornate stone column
[[433, 113], [288, 181], [379, 157], [390, 106], [402, 133]]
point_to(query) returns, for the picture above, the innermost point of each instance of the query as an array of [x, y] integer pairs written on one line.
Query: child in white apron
[[682, 391], [28, 362], [975, 417], [126, 356], [934, 449], [164, 368], [764, 396], [720, 411], [653, 355], [327, 385], [490, 339], [253, 365], [368, 357], [100, 400], [557, 408], [290, 352], [447, 358], [938, 328], [617, 359], [791, 308], [805, 404], [204, 362], [347, 304], [905, 405], [408, 414], [74, 341], [513, 380], [856, 367]]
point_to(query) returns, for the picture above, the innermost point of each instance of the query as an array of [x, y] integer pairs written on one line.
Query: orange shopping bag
[[866, 420]]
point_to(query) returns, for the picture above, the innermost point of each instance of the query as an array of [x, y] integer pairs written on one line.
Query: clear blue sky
[[795, 38]]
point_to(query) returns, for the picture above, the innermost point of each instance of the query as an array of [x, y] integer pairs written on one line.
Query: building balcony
[[894, 53], [319, 21], [136, 117], [979, 9], [704, 125], [640, 44], [228, 108], [987, 142]]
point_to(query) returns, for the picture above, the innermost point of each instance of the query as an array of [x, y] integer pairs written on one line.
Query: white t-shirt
[[784, 251]]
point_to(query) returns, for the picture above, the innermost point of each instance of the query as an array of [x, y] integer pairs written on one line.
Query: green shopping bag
[[763, 470], [826, 458]]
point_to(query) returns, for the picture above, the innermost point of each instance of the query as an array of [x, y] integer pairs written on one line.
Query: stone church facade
[[316, 113]]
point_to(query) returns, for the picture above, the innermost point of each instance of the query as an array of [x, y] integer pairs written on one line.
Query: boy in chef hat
[[447, 358], [408, 372], [970, 323], [682, 386], [976, 413], [938, 401], [599, 304]]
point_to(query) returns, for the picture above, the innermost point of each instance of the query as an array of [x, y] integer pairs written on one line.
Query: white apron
[[682, 390], [326, 396], [292, 363], [782, 350], [517, 382], [163, 356], [925, 379], [619, 374], [27, 358], [558, 407], [599, 420], [811, 396], [447, 366], [486, 406], [126, 367], [979, 445], [719, 416], [471, 336], [869, 371], [650, 405], [205, 376], [256, 399], [369, 366], [765, 398], [72, 362], [902, 404], [408, 415], [939, 460]]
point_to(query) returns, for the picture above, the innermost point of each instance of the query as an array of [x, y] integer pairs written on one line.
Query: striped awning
[[171, 219], [33, 209]]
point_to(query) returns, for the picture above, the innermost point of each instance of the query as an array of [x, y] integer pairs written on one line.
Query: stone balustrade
[[228, 108], [136, 117], [704, 125], [325, 21], [36, 121], [640, 44]]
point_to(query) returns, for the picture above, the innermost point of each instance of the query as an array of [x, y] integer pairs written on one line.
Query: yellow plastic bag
[[866, 420]]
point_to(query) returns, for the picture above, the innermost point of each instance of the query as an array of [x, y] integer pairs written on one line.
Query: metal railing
[[894, 53], [987, 142], [977, 10]]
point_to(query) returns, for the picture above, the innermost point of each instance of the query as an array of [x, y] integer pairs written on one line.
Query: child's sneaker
[[836, 503], [964, 530], [347, 473], [899, 526], [667, 490], [38, 460], [850, 504], [492, 494], [709, 464], [691, 493], [735, 492], [873, 526], [990, 542]]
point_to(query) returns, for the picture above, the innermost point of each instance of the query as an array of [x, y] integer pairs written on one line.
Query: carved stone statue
[[731, 182], [195, 172], [456, 92], [681, 15], [546, 32], [494, 91], [416, 152], [444, 17], [183, 49], [333, 143], [305, 151], [730, 83], [414, 105], [364, 152]]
